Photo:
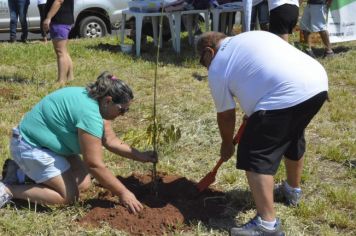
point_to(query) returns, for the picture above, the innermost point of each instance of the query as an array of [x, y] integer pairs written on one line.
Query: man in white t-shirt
[[280, 89]]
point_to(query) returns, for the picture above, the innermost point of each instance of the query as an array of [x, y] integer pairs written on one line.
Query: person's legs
[[308, 50], [63, 62], [59, 34], [253, 18], [260, 151], [262, 191], [294, 169], [263, 15], [13, 19], [42, 11], [70, 75], [80, 172], [306, 35], [62, 189], [294, 160], [324, 35], [57, 190], [22, 7]]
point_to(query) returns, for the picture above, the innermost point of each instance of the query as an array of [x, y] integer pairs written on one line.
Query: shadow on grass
[[15, 79], [239, 200], [319, 52], [199, 77]]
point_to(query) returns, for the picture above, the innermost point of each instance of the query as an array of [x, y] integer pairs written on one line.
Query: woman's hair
[[209, 39], [108, 85]]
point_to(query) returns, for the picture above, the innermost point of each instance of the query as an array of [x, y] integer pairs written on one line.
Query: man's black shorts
[[271, 134], [283, 19]]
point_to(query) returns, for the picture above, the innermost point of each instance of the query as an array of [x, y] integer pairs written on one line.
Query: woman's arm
[[52, 12], [91, 148], [117, 146]]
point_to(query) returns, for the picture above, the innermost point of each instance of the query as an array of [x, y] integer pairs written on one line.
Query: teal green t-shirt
[[53, 122]]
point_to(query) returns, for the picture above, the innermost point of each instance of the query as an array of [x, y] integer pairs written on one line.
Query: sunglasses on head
[[122, 110]]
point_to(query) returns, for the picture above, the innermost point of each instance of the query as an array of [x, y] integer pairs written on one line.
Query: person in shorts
[[260, 11], [314, 20], [279, 100], [283, 17], [59, 144], [59, 21]]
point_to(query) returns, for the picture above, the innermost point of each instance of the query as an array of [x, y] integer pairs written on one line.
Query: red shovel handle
[[238, 136], [218, 164], [235, 141]]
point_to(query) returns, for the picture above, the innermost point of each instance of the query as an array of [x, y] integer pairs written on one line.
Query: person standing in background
[[260, 11], [18, 10], [59, 21], [42, 10], [314, 20], [283, 17]]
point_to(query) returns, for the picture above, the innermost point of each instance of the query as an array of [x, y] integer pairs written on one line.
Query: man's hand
[[46, 24], [129, 201], [227, 150]]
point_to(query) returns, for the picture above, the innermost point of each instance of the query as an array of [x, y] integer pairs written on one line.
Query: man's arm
[[226, 122]]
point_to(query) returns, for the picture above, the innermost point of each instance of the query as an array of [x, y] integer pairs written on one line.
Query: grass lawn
[[28, 73]]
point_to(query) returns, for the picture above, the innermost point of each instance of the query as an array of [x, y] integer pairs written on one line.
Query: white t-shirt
[[41, 2], [276, 3], [264, 73]]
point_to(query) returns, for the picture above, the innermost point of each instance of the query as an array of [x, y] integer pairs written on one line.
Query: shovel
[[210, 177]]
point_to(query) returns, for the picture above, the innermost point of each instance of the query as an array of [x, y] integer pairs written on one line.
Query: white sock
[[290, 189], [269, 224]]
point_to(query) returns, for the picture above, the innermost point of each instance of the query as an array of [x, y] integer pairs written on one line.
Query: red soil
[[175, 206]]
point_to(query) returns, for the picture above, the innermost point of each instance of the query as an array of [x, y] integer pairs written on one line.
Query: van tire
[[92, 27]]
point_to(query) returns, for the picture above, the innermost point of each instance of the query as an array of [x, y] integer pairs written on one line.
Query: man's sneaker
[[309, 52], [4, 196], [290, 196], [255, 228]]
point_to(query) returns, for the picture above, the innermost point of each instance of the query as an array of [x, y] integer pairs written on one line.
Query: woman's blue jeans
[[18, 10]]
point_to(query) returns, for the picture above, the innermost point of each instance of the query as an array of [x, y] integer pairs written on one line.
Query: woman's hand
[[129, 201], [147, 156], [46, 24]]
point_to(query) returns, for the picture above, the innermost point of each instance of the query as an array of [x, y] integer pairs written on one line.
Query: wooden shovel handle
[[237, 137], [218, 164], [234, 141]]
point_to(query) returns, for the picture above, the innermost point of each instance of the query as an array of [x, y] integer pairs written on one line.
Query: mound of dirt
[[173, 207]]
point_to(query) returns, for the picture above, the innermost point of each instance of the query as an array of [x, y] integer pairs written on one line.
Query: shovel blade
[[206, 181]]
